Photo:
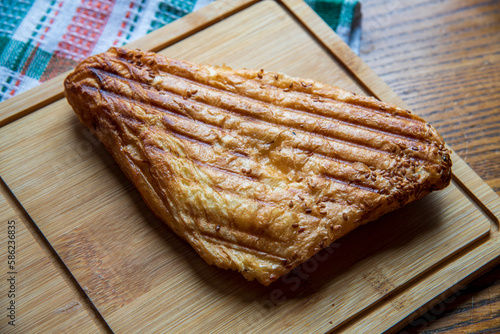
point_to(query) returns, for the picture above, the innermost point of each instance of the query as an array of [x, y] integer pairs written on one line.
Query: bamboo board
[[140, 276], [35, 298]]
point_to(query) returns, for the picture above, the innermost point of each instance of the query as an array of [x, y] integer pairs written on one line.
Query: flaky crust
[[258, 171]]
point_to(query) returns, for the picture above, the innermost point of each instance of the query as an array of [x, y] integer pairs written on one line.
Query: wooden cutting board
[[140, 277]]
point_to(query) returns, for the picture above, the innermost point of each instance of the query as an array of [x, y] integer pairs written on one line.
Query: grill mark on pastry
[[232, 192], [355, 183], [263, 203], [375, 131], [316, 155], [361, 186], [251, 119], [246, 248], [309, 113], [188, 138], [346, 103], [205, 164], [284, 127], [171, 126], [342, 169], [309, 95], [126, 57], [159, 108], [424, 158], [302, 86], [362, 108], [258, 200], [269, 237], [351, 183], [334, 178], [225, 172], [173, 130], [201, 123], [331, 178]]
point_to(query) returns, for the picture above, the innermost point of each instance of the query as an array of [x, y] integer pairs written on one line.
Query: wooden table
[[442, 58]]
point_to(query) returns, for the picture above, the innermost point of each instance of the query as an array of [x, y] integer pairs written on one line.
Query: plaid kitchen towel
[[40, 39]]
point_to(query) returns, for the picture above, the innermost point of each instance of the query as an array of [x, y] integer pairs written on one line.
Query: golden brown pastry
[[258, 171]]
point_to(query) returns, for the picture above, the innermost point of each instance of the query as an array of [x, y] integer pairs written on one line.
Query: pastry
[[257, 171]]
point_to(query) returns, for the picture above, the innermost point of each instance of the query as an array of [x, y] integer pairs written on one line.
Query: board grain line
[[52, 90], [54, 258]]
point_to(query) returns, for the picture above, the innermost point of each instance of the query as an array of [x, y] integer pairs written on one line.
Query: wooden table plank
[[442, 58]]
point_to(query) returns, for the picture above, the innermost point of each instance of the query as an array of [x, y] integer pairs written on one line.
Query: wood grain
[[442, 58], [43, 301]]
